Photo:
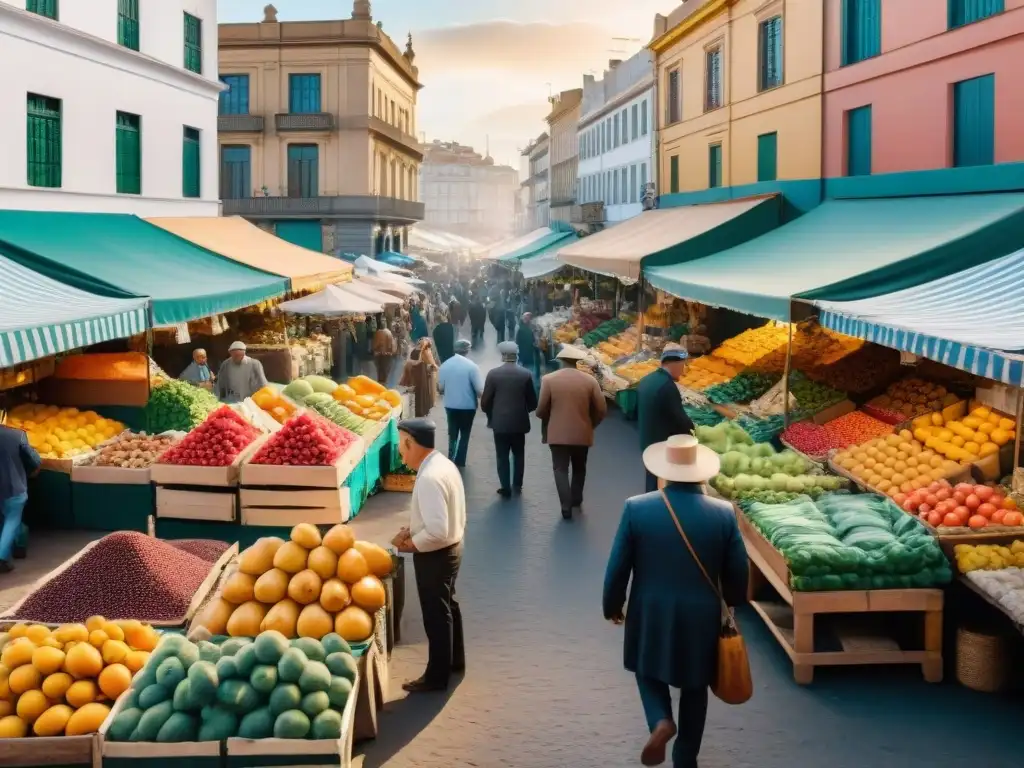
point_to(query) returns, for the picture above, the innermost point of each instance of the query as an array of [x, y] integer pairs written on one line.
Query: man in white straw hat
[[674, 616]]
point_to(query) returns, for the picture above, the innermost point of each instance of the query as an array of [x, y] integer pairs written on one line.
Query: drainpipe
[[821, 150]]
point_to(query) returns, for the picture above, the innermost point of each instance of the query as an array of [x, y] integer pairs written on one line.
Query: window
[[193, 44], [128, 23], [643, 118], [767, 156], [632, 182], [303, 170], [625, 126], [615, 134], [715, 165], [44, 141], [963, 12], [636, 122], [643, 179], [625, 187], [615, 187], [129, 154], [608, 133], [770, 53], [713, 79], [862, 30], [858, 141], [974, 121], [47, 8], [235, 100], [235, 172], [190, 166], [673, 174], [303, 94], [673, 99]]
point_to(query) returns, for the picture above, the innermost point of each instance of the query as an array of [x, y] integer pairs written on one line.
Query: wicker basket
[[982, 661], [399, 483]]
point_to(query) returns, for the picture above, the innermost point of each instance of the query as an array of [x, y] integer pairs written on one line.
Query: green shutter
[[47, 8], [305, 234], [862, 30], [191, 170], [44, 141], [128, 23], [673, 174], [303, 170], [235, 100], [715, 165], [304, 94], [767, 157], [193, 44], [235, 172], [129, 154], [974, 127], [770, 45], [963, 12], [858, 141]]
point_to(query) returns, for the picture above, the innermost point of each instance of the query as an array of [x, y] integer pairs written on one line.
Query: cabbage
[[779, 482], [734, 463]]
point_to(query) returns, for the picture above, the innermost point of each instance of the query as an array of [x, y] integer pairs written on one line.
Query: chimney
[[660, 25], [614, 63], [588, 80]]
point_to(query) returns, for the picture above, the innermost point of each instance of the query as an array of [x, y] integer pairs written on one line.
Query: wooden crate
[[57, 751], [792, 621], [124, 754], [371, 695], [332, 476], [217, 477], [109, 475], [192, 504]]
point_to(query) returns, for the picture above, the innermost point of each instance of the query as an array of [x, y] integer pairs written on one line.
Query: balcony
[[240, 123], [384, 131], [341, 207], [320, 121]]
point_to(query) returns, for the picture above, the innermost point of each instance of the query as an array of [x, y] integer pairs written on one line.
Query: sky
[[488, 66]]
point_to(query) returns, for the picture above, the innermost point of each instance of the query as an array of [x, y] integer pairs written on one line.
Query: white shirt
[[438, 515]]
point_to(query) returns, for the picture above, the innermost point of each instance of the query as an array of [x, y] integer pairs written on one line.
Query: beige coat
[[571, 406]]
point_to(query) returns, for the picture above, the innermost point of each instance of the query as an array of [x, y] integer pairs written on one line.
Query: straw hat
[[569, 352], [681, 459]]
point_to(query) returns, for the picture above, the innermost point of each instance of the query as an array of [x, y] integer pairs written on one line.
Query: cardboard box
[[330, 477], [183, 504]]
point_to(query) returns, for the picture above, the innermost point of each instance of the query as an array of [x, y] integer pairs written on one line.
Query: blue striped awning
[[972, 320], [41, 317]]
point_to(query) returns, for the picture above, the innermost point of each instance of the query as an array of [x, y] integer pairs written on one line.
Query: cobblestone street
[[545, 687]]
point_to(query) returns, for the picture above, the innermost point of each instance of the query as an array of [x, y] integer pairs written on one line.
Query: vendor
[[660, 411], [239, 376], [198, 371]]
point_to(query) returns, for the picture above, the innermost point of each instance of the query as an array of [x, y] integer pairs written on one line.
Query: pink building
[[914, 85]]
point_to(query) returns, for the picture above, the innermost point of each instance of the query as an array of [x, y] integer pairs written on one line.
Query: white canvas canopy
[[332, 301]]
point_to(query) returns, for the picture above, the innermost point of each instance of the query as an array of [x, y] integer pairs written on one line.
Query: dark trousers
[[693, 710], [510, 474], [570, 487], [499, 327], [384, 364], [442, 619], [476, 331], [460, 424]]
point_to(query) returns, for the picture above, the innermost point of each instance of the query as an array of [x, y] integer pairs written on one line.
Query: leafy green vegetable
[[178, 405]]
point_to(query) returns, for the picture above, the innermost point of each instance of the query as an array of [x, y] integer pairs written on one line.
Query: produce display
[[271, 401], [177, 406], [812, 346], [810, 438], [850, 541], [753, 344], [757, 472], [635, 371], [104, 366], [124, 574], [724, 437], [742, 388], [622, 344], [62, 433], [856, 428], [260, 688], [568, 333], [217, 442], [981, 433], [895, 464], [862, 370], [1005, 588], [131, 450], [913, 396], [703, 417], [60, 682], [966, 505], [812, 396], [305, 440], [604, 331], [987, 557], [361, 395], [338, 414], [308, 586], [706, 371], [762, 430]]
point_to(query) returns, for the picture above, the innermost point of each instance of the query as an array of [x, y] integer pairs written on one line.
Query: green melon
[[298, 390], [320, 384]]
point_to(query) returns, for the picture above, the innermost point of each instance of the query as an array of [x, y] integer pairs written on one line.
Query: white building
[[109, 106], [616, 137], [538, 159]]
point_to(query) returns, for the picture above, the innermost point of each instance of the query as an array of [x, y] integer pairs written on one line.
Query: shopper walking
[[477, 319], [385, 350], [508, 400], [570, 407], [529, 354], [444, 338], [18, 462], [677, 547], [437, 523], [240, 376], [460, 382], [660, 412]]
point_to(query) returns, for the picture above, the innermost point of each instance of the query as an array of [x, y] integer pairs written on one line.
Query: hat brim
[[569, 352], [707, 465]]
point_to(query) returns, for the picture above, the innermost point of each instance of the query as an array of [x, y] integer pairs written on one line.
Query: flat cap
[[674, 355], [463, 346], [236, 345], [421, 430], [508, 348]]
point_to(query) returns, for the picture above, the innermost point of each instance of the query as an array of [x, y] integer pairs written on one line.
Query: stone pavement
[[545, 687]]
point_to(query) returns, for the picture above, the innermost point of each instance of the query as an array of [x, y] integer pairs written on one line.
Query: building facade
[[921, 86], [538, 184], [110, 105], [563, 121], [317, 131], [616, 137], [740, 93], [466, 193]]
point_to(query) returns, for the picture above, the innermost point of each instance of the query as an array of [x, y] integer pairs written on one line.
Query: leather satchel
[[733, 683]]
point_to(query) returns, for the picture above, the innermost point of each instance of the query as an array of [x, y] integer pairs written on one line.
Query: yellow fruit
[[81, 693], [291, 558], [47, 660], [115, 680], [114, 632], [13, 727], [6, 708], [17, 631], [306, 535], [314, 622], [146, 639], [136, 660], [37, 633], [31, 705], [323, 562], [114, 651], [352, 566], [83, 661], [238, 588], [56, 685], [259, 558], [353, 624], [95, 622], [53, 721], [339, 539], [87, 719], [282, 618], [24, 678], [72, 632], [304, 587], [17, 653], [246, 619], [334, 595], [377, 558], [271, 587], [97, 638], [215, 616]]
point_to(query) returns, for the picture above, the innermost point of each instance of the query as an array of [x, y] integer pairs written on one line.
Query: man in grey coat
[[508, 399], [240, 376]]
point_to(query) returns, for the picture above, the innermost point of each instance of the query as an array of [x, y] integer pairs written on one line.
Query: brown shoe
[[654, 750]]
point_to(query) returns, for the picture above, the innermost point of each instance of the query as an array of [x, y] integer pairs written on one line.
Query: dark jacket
[[674, 617], [508, 399], [444, 340], [18, 461], [477, 314], [660, 411], [527, 350]]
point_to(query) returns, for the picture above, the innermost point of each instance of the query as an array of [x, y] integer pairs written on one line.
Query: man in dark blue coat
[[18, 462], [659, 405], [508, 400]]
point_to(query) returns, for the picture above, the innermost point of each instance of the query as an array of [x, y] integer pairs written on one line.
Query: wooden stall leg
[[803, 643], [755, 581], [932, 667]]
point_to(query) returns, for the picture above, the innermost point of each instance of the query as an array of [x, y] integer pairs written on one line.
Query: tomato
[[924, 509], [942, 494], [972, 502], [1013, 517], [908, 506], [1009, 503], [977, 522], [935, 519], [900, 498], [965, 488], [983, 492], [931, 499], [963, 513], [959, 498], [998, 515], [950, 520], [987, 510]]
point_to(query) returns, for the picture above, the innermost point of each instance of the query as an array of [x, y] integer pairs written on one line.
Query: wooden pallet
[[792, 619]]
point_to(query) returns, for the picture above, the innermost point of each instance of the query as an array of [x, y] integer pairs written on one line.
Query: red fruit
[[908, 506], [998, 516], [983, 492], [965, 488], [942, 494], [925, 509], [931, 499], [958, 497], [1013, 517], [951, 520], [963, 513], [900, 499], [934, 519], [977, 522], [987, 510], [972, 502]]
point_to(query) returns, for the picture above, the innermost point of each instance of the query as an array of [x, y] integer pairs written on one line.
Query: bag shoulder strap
[[689, 546]]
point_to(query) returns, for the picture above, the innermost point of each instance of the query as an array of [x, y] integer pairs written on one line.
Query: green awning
[[846, 250], [122, 256]]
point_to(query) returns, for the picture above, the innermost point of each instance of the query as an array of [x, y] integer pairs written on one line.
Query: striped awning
[[972, 320], [41, 317]]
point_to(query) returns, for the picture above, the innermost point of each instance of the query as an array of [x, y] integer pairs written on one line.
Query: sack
[[733, 683]]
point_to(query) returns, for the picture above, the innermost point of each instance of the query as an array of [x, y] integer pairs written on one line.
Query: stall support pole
[[785, 376], [1016, 440], [640, 317]]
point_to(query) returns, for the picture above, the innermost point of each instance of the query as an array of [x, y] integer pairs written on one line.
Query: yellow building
[[739, 93]]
